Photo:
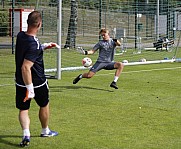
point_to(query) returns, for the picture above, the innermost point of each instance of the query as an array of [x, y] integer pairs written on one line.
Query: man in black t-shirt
[[30, 78]]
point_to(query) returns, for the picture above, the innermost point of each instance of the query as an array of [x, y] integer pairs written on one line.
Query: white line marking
[[1, 85], [160, 69]]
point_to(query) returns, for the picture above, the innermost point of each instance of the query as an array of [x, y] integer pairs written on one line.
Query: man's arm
[[26, 71], [27, 78], [49, 45], [118, 43], [90, 52], [85, 52]]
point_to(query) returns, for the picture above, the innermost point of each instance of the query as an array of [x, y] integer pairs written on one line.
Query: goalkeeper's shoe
[[50, 134], [113, 85], [76, 79], [25, 142]]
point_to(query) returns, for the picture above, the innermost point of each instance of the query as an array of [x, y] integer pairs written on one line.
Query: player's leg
[[119, 68], [23, 114], [42, 99], [96, 67], [25, 123], [24, 119], [44, 119], [87, 75], [44, 116]]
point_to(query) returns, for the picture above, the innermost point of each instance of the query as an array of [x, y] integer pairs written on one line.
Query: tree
[[3, 23], [72, 29]]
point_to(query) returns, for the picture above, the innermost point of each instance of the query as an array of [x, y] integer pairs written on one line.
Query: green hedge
[[4, 23]]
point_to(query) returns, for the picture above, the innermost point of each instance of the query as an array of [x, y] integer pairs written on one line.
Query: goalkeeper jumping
[[105, 59]]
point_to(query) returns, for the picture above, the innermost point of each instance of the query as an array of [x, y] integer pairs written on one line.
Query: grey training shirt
[[106, 50]]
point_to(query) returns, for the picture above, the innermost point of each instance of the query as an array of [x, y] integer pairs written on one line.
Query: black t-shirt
[[28, 47]]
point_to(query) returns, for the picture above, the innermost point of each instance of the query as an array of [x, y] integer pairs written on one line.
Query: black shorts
[[101, 65], [41, 96]]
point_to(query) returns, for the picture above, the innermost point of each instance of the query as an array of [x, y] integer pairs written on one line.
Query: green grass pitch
[[144, 113]]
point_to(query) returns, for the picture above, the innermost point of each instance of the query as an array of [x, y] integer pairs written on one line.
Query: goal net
[[149, 34]]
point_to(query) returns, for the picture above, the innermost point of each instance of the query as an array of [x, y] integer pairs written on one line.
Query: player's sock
[[45, 130], [116, 78], [80, 76], [26, 132]]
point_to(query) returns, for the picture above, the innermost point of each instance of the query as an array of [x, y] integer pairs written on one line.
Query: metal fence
[[123, 18], [137, 24]]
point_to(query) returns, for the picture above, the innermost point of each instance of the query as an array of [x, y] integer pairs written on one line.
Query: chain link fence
[[138, 24]]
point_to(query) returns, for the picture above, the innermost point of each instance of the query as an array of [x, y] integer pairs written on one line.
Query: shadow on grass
[[60, 88], [3, 140], [6, 142]]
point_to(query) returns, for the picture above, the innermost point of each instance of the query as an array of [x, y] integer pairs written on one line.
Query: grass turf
[[144, 113]]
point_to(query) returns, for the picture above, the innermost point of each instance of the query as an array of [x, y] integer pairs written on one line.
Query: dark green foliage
[[20, 2], [65, 3], [53, 3], [3, 23]]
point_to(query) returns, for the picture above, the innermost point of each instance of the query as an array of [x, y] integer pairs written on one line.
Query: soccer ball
[[142, 60], [125, 61], [86, 62]]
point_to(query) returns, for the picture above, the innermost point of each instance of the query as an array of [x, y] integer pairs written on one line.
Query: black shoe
[[25, 141], [76, 79], [113, 84]]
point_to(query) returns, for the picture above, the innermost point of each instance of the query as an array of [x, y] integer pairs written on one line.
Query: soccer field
[[144, 113]]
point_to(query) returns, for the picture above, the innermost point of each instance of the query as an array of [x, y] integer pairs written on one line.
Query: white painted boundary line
[[149, 62], [160, 69], [1, 85]]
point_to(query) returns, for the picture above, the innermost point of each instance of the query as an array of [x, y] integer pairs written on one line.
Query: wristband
[[44, 45], [86, 52], [30, 87], [115, 40]]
